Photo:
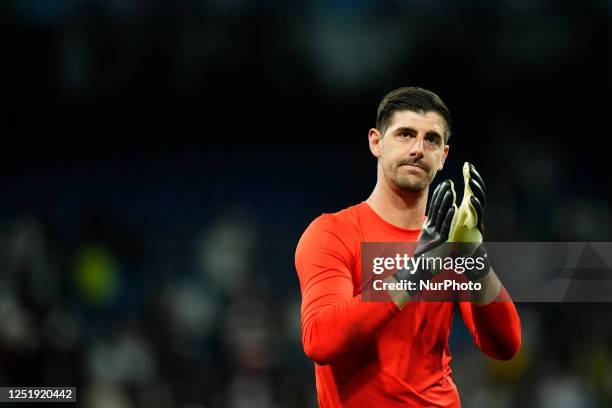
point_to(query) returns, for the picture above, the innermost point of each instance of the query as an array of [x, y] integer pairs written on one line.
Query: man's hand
[[436, 229], [468, 223], [434, 233], [468, 227]]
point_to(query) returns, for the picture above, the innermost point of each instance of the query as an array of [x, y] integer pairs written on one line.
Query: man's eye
[[433, 139]]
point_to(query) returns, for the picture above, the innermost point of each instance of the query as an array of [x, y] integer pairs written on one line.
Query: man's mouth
[[413, 165]]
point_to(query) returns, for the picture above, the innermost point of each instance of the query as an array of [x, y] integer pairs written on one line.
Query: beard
[[412, 184], [408, 182]]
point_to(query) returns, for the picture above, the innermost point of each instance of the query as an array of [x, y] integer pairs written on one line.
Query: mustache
[[413, 163]]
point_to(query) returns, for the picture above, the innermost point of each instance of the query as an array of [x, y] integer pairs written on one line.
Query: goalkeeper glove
[[434, 234], [467, 225]]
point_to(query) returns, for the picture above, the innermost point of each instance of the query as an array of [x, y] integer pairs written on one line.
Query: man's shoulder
[[338, 232], [339, 227], [345, 220]]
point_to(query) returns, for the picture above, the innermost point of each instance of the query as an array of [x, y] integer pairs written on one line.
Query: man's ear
[[443, 159], [375, 142]]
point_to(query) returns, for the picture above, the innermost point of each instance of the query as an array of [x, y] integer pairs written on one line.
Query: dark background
[[161, 159]]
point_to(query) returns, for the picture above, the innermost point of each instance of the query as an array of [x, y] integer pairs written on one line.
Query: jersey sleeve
[[496, 326], [334, 321]]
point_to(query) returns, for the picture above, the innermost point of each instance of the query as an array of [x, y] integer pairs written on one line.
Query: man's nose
[[417, 147]]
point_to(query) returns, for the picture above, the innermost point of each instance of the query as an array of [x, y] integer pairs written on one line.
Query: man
[[395, 353]]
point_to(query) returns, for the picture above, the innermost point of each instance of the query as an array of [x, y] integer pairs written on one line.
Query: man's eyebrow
[[408, 129], [433, 133], [405, 129]]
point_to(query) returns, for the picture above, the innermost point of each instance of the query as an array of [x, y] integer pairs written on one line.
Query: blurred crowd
[[187, 319], [149, 262]]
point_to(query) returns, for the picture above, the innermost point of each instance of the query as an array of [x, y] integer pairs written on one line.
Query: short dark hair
[[413, 99]]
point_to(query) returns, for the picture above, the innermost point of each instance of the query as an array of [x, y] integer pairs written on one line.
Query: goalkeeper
[[395, 353]]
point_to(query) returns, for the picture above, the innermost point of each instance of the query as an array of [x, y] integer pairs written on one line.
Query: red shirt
[[371, 354]]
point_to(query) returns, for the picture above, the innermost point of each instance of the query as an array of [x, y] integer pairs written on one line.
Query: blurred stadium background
[[161, 159]]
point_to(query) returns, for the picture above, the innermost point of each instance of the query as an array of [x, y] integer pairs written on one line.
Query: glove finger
[[435, 207], [444, 206], [475, 175], [479, 212], [446, 225], [478, 191], [434, 196]]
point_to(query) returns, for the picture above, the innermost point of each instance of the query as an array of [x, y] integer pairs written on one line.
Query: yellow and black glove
[[432, 241], [467, 228]]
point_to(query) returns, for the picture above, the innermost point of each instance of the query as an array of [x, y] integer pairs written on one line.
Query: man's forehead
[[419, 121]]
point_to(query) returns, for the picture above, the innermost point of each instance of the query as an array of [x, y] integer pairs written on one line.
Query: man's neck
[[404, 209]]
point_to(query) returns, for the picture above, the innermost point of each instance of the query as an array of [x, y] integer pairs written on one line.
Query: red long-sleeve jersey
[[371, 354]]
